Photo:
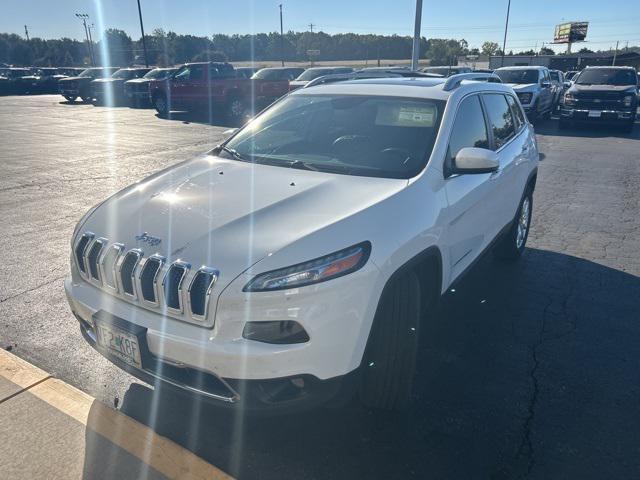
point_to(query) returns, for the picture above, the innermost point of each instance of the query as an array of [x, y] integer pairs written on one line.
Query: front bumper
[[583, 115], [220, 365]]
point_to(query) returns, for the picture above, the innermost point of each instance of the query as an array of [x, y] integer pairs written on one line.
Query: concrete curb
[[53, 429]]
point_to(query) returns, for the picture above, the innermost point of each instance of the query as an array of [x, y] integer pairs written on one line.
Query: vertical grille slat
[[108, 264], [148, 278], [92, 257], [80, 248], [127, 269], [200, 289], [172, 285]]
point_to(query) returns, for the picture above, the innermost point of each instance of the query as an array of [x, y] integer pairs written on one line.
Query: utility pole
[[89, 27], [615, 54], [506, 28], [144, 42], [26, 32], [281, 38], [83, 17], [311, 27], [415, 52]]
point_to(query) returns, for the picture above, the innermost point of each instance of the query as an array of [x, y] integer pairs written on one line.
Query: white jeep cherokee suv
[[298, 259]]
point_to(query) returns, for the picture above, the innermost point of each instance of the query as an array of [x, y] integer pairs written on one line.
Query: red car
[[214, 86]]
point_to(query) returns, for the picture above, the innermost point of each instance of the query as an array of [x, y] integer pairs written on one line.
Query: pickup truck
[[214, 85]]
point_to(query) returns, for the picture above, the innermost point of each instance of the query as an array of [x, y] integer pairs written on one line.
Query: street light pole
[[83, 17], [415, 54], [89, 27], [144, 43], [281, 38], [506, 27]]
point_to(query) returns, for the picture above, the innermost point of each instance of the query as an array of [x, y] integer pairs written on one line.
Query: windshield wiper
[[233, 152], [302, 165]]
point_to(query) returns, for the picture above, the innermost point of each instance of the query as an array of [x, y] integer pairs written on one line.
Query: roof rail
[[367, 75], [454, 81]]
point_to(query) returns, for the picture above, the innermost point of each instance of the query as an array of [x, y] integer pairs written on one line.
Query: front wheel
[[389, 360], [510, 248], [161, 105], [70, 98]]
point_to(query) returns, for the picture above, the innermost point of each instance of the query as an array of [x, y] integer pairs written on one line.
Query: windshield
[[123, 74], [518, 76], [157, 73], [350, 134], [310, 74], [268, 74], [607, 76]]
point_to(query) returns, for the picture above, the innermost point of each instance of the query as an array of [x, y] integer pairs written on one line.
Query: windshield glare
[[518, 76], [156, 73], [603, 76], [86, 73], [310, 74], [349, 134], [122, 74]]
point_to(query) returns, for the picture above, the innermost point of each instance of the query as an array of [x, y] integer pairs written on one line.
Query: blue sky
[[531, 22]]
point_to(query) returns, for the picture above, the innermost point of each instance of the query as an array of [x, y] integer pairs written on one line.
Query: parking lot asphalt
[[528, 370]]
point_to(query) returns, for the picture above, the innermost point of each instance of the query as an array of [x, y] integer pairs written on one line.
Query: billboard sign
[[571, 32]]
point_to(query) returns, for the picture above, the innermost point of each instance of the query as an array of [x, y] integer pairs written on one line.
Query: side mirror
[[545, 84], [567, 84], [476, 160]]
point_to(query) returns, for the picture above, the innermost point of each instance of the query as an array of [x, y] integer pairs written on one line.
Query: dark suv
[[602, 94], [80, 86]]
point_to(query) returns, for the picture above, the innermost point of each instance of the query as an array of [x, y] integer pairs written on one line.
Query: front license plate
[[119, 343], [595, 113]]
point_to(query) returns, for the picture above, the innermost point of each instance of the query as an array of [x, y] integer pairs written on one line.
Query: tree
[[115, 48], [546, 51], [490, 48], [585, 50], [210, 56]]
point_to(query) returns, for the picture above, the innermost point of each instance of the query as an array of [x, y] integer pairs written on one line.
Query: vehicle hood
[[138, 80], [228, 214], [524, 87], [76, 79], [109, 80], [575, 88]]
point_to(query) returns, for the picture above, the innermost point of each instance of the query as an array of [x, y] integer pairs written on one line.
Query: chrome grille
[[171, 288]]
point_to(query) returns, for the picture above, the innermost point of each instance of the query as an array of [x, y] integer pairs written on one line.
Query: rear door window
[[516, 111], [500, 119]]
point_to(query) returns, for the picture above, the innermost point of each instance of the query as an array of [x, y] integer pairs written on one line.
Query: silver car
[[534, 89]]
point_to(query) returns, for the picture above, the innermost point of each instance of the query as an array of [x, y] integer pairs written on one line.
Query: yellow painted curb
[[158, 452]]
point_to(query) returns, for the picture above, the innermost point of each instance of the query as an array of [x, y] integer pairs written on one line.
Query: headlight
[[525, 98], [569, 99], [627, 100], [319, 270]]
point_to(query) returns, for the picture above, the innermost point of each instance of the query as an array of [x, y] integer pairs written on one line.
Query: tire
[[511, 246], [236, 109], [389, 361], [70, 98], [565, 124], [161, 104], [628, 128], [87, 99]]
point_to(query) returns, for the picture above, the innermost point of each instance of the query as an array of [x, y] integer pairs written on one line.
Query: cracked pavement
[[529, 370]]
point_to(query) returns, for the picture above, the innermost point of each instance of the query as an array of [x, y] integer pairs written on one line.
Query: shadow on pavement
[[502, 384], [590, 130], [200, 116]]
